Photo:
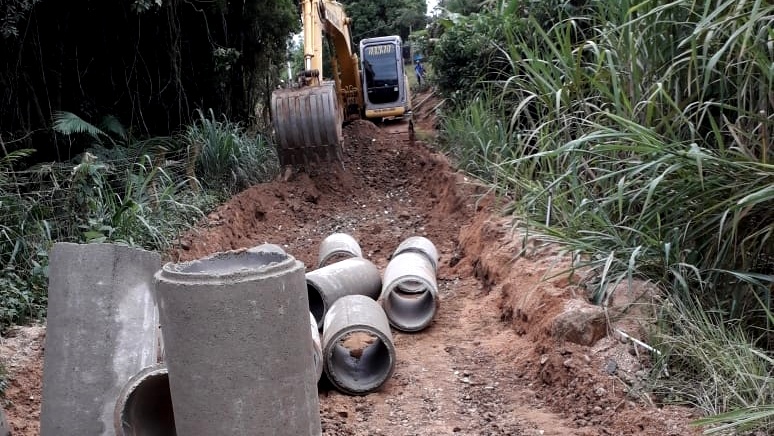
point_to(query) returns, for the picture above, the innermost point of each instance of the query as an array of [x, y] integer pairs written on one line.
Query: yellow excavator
[[308, 117]]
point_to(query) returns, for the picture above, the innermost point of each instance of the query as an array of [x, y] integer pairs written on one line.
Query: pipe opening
[[410, 311], [147, 410], [316, 303], [231, 262], [360, 362]]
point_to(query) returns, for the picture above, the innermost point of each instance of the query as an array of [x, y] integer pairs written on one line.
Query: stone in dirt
[[580, 323]]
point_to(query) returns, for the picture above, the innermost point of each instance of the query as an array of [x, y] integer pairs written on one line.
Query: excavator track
[[307, 123]]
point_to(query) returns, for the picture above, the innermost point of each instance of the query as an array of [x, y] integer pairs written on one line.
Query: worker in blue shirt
[[420, 70]]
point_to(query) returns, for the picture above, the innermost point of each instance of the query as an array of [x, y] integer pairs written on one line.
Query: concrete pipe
[[419, 244], [100, 331], [411, 310], [358, 353], [237, 339], [5, 426], [316, 347], [336, 247], [353, 276], [144, 405]]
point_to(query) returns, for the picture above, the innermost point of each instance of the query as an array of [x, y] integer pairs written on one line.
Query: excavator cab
[[385, 89]]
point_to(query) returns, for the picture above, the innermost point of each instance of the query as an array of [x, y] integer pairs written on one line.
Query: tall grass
[[226, 157], [639, 136], [722, 369], [23, 239]]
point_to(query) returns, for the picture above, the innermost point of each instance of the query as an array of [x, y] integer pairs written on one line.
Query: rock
[[611, 366], [580, 323]]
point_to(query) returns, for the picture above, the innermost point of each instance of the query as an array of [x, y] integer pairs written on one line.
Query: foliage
[[23, 255], [720, 367], [462, 7], [471, 46], [227, 157], [372, 18], [637, 135], [466, 56], [121, 190], [166, 58], [14, 11]]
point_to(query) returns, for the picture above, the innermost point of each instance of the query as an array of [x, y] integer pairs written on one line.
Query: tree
[[371, 18], [149, 63], [462, 7]]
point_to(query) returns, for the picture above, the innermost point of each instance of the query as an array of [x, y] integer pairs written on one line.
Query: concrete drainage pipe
[[338, 246], [144, 405], [419, 244], [237, 338], [353, 276], [358, 353], [409, 291]]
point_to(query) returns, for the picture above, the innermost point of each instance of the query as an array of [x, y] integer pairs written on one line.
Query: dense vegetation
[[638, 135], [149, 64], [371, 18], [123, 121]]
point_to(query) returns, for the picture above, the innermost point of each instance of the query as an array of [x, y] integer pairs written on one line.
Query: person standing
[[420, 70]]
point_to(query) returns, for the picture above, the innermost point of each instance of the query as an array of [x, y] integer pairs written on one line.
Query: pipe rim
[[318, 307], [229, 265], [409, 311], [342, 378], [336, 256], [126, 397]]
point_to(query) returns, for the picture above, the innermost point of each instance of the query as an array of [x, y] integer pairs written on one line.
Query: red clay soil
[[491, 363]]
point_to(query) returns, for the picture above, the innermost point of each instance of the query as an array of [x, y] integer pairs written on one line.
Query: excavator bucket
[[307, 124]]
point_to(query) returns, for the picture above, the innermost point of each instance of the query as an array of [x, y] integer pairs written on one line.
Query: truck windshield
[[380, 67]]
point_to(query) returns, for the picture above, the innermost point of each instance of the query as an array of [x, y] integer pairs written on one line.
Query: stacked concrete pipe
[[409, 291], [353, 276], [101, 330], [338, 246], [144, 405], [419, 244], [237, 338], [358, 353]]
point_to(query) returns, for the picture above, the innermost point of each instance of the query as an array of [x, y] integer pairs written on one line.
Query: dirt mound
[[21, 355], [386, 189], [600, 389]]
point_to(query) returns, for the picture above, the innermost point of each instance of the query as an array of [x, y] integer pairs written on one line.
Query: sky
[[431, 4]]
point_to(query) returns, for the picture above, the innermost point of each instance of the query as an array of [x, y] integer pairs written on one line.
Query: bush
[[228, 158], [639, 137]]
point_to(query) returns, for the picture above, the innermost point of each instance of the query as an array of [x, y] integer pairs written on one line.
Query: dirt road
[[490, 363]]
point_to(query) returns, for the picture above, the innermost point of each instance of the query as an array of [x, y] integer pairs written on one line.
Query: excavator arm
[[307, 120]]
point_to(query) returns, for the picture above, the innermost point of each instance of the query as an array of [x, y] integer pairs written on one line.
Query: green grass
[[638, 135], [722, 369], [226, 157]]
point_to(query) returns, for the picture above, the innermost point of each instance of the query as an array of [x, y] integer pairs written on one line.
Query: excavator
[[308, 117]]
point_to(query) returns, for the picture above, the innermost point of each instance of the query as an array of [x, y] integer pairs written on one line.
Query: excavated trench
[[489, 362]]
